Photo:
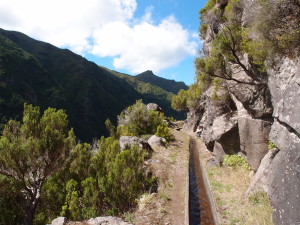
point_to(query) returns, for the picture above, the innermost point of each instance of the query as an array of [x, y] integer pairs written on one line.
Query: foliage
[[186, 100], [32, 151], [10, 213], [277, 29], [203, 30], [236, 161], [271, 145], [116, 179], [111, 128], [179, 102], [208, 6], [163, 131], [138, 120]]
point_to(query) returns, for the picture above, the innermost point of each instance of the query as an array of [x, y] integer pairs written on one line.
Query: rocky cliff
[[252, 106]]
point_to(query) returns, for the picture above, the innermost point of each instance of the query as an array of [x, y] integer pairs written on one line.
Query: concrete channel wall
[[208, 210], [209, 194], [187, 194]]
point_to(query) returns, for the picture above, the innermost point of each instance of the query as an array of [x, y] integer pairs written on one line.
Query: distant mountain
[[151, 93], [42, 74], [168, 85]]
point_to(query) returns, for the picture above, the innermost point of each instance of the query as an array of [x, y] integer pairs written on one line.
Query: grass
[[229, 187]]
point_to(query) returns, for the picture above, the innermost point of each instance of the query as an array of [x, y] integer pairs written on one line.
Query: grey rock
[[254, 135], [224, 130], [218, 153], [260, 181], [285, 90], [284, 178], [109, 220], [59, 221], [256, 99], [126, 142], [155, 141], [154, 107]]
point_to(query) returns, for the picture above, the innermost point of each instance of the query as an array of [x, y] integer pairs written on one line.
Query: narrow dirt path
[[169, 206]]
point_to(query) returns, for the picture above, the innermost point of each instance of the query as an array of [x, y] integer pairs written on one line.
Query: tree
[[32, 151]]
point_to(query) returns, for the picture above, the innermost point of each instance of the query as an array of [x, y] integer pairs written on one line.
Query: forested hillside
[[39, 73]]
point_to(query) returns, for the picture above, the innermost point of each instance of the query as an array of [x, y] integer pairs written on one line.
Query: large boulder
[[218, 153], [155, 141], [126, 142], [154, 107], [254, 136], [59, 221], [224, 130], [109, 220]]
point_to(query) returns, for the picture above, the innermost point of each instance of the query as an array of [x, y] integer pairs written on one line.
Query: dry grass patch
[[229, 187]]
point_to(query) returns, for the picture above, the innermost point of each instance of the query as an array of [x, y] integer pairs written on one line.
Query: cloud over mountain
[[103, 28]]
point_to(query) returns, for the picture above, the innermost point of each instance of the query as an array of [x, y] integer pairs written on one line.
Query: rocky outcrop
[[284, 179], [154, 107], [254, 134], [108, 220], [264, 106], [59, 221], [261, 179], [155, 141], [126, 142]]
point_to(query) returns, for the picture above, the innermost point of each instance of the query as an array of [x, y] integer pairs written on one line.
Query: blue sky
[[129, 36]]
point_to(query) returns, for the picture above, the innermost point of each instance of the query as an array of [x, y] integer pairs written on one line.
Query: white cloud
[[63, 23], [104, 28], [144, 45]]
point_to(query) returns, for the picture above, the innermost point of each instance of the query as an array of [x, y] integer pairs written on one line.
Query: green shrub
[[235, 162], [209, 5], [138, 120], [163, 131], [203, 30], [179, 101]]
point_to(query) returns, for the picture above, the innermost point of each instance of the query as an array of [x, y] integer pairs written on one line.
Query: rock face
[[261, 179], [266, 108], [127, 141], [254, 134], [284, 179]]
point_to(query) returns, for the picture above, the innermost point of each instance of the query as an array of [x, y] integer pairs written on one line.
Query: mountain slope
[[151, 93], [41, 74], [168, 85], [44, 75]]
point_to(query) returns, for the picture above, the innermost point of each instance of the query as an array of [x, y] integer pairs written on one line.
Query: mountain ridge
[[166, 84], [41, 74]]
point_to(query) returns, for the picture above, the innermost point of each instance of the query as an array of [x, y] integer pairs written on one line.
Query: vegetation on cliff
[[273, 30]]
